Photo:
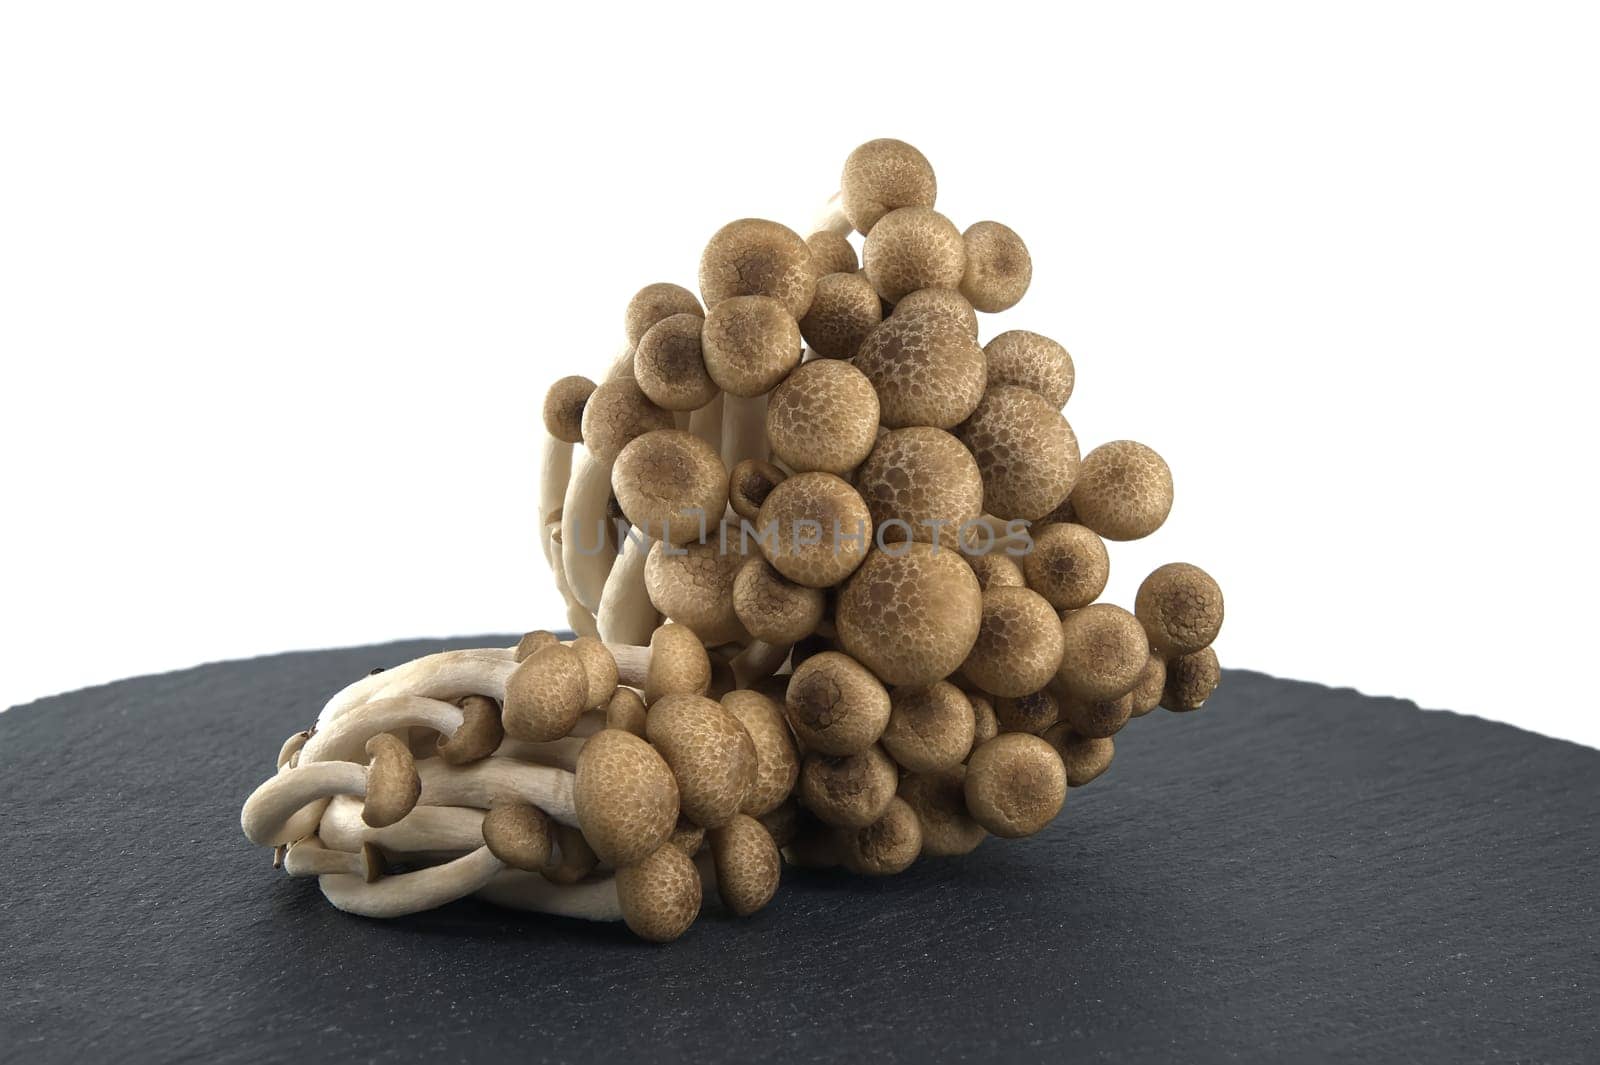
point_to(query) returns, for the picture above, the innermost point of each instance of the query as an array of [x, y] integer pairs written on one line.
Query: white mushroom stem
[[586, 551], [482, 784], [626, 614], [831, 217], [744, 429], [579, 619], [345, 738], [757, 662], [425, 830], [593, 900], [309, 857], [562, 753], [706, 423], [555, 470], [288, 805], [424, 889], [396, 677]]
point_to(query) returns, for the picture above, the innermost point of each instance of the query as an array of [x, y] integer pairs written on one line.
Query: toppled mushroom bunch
[[833, 567]]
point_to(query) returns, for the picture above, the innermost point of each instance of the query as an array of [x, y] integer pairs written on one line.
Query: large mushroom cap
[[747, 863], [998, 267], [777, 761], [848, 791], [755, 257], [911, 248], [1190, 680], [1123, 492], [1019, 643], [1180, 607], [545, 695], [1097, 718], [669, 366], [393, 785], [660, 895], [845, 310], [773, 608], [655, 302], [617, 412], [679, 664], [882, 175], [750, 343], [887, 846], [671, 484], [563, 408], [814, 529], [1031, 360], [835, 705], [910, 614], [824, 416], [921, 483], [926, 369], [625, 795], [940, 803], [930, 728], [1025, 450], [518, 834], [945, 301], [1068, 565], [710, 753], [1104, 649], [693, 584], [1015, 784]]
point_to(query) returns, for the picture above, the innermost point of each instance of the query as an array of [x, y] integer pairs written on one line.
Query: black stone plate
[[1292, 874]]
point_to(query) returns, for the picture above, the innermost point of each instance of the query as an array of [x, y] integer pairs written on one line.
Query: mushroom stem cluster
[[833, 566]]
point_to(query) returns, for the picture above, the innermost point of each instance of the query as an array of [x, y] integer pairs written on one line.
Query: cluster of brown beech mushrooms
[[833, 568]]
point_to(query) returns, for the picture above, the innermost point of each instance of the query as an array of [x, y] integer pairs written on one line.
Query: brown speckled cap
[[1031, 360], [814, 507], [848, 791], [617, 412], [1124, 490], [670, 367], [926, 368], [887, 846], [912, 248], [940, 804], [671, 484], [653, 303], [626, 797], [832, 253], [910, 613], [563, 408], [711, 755], [946, 301], [693, 584], [824, 416], [845, 310], [773, 608], [1026, 452], [1069, 565], [1097, 718], [1019, 643], [747, 863], [1104, 649], [1085, 757], [750, 343], [660, 896], [882, 175], [545, 695], [930, 727], [998, 267], [835, 705], [755, 257], [1180, 607], [777, 761], [1015, 784], [1190, 680], [921, 479]]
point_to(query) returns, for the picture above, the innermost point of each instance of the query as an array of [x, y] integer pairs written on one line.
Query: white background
[[281, 287]]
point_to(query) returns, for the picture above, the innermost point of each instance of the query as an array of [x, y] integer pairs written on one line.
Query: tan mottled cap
[[1015, 784], [1031, 713], [747, 863], [946, 301], [1150, 687], [563, 408], [755, 257], [537, 640], [1104, 649], [1180, 607], [940, 803], [835, 705], [845, 310], [926, 370], [985, 725], [1085, 757], [882, 175], [750, 343], [1190, 680], [848, 791], [653, 303], [1097, 718], [393, 785], [710, 753], [545, 695], [616, 413], [887, 846], [1031, 360], [626, 796], [773, 608], [679, 664], [693, 584], [998, 267], [911, 248], [1025, 449], [669, 366], [625, 711], [921, 482], [749, 484], [823, 417], [832, 253], [930, 728], [814, 529], [671, 484], [479, 734], [600, 667], [1069, 565], [518, 834], [910, 614], [1124, 491], [660, 896], [777, 761], [995, 570], [1019, 643]]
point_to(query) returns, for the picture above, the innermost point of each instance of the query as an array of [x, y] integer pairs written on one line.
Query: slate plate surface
[[1292, 874]]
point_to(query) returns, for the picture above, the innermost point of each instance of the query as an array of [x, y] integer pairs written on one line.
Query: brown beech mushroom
[[625, 711], [1097, 718], [940, 803], [1069, 565], [910, 614], [536, 640], [1104, 649], [1124, 491], [1191, 679], [921, 484], [998, 267], [669, 366], [671, 484], [824, 416], [814, 529], [656, 302], [995, 570], [518, 834], [574, 858], [926, 369], [478, 735], [711, 755], [773, 608], [911, 248], [747, 863], [755, 257], [563, 408], [985, 724], [599, 669], [848, 791], [1019, 643], [1180, 607], [1031, 360], [616, 413], [693, 585], [678, 664], [831, 253], [393, 786], [1085, 757], [930, 728], [625, 795], [749, 484], [1150, 687], [882, 175], [750, 343], [1025, 450], [1015, 784], [777, 761], [946, 301], [1032, 713], [887, 846], [835, 705], [846, 308], [660, 895], [545, 695]]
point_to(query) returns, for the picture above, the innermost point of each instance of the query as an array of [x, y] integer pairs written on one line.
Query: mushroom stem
[[482, 784], [592, 900], [424, 889], [706, 423], [344, 739], [586, 551], [626, 614], [562, 753], [287, 806], [555, 470], [758, 661], [372, 684], [311, 857], [831, 217], [744, 429], [450, 830], [579, 619]]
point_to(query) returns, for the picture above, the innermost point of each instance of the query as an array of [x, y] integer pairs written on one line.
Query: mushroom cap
[[750, 343], [1150, 687], [653, 303], [710, 753], [1031, 360], [1032, 713], [832, 253], [669, 366], [1180, 607], [617, 413], [747, 862], [910, 616], [393, 785], [693, 584], [848, 791], [660, 895], [671, 484], [749, 484], [930, 728], [600, 667], [478, 735], [920, 483], [887, 846], [946, 301], [625, 795], [911, 248], [537, 640], [1104, 649], [1026, 452], [688, 837], [518, 834], [1097, 718], [882, 175], [777, 761], [824, 416], [995, 570], [814, 529], [755, 257], [1069, 565], [563, 408], [575, 858], [940, 803], [545, 695], [846, 308], [1019, 643], [625, 711], [985, 724], [1085, 757], [926, 370], [1015, 784], [773, 608], [1191, 679], [1124, 491], [998, 267], [835, 705], [678, 665]]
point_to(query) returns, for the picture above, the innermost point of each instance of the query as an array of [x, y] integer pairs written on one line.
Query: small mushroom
[[998, 267], [693, 585], [946, 301], [1031, 360], [911, 248], [1069, 565], [479, 733], [831, 253], [996, 570], [518, 834], [670, 367], [618, 412], [940, 803], [846, 308], [625, 711], [1032, 713], [755, 257], [660, 895], [625, 796], [671, 484], [1025, 450], [392, 782], [814, 529], [930, 728], [536, 640], [882, 175], [1191, 679], [985, 724], [747, 862], [848, 791], [749, 484], [1104, 649], [563, 408], [1085, 757], [835, 705], [1150, 687], [1097, 718], [824, 416], [678, 664], [1015, 784], [910, 616], [1019, 643], [656, 302], [887, 846], [926, 369], [711, 755], [920, 484], [750, 343], [1124, 491], [310, 857], [688, 837], [1180, 607], [575, 859], [599, 670], [777, 761], [773, 608], [545, 695]]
